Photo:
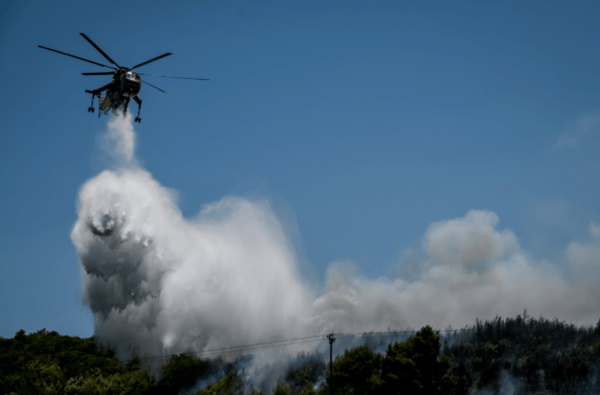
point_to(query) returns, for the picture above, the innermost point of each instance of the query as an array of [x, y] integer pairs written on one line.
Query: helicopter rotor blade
[[77, 57], [99, 50], [151, 60], [103, 73], [153, 86], [181, 78]]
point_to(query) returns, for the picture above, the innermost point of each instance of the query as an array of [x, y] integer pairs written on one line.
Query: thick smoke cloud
[[159, 283]]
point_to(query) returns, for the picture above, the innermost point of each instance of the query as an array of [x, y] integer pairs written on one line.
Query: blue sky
[[362, 122]]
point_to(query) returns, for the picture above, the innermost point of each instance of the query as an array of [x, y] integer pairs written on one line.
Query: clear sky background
[[362, 122]]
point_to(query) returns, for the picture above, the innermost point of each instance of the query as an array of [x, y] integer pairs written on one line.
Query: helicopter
[[125, 85]]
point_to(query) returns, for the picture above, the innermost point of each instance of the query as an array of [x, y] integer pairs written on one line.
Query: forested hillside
[[532, 355], [545, 356]]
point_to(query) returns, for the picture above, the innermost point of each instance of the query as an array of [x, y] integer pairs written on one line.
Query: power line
[[255, 346], [309, 339]]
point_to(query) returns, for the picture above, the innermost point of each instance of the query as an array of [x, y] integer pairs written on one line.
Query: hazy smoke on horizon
[[159, 283]]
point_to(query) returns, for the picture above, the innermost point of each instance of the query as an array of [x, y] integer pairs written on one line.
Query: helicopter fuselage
[[126, 85], [129, 84]]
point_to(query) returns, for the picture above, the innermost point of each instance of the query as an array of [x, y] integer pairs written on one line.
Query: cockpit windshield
[[133, 77]]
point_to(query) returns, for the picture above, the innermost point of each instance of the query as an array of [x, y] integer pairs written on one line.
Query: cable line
[[275, 343], [308, 339]]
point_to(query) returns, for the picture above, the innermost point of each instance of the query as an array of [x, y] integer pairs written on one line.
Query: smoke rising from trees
[[158, 283]]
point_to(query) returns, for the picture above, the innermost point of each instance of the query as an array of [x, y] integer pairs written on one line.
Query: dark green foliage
[[133, 364], [180, 373], [308, 389], [229, 384], [359, 368], [95, 382], [281, 390], [410, 367], [43, 362], [310, 371], [48, 363], [414, 366], [546, 355], [399, 373]]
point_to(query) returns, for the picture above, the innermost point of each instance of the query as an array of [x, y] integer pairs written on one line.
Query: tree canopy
[[541, 355]]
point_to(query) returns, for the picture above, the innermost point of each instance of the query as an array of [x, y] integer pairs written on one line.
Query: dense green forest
[[537, 356]]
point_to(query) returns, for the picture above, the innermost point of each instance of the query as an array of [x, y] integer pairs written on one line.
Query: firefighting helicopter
[[125, 85]]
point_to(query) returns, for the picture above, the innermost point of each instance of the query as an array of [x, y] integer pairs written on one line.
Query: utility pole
[[331, 340]]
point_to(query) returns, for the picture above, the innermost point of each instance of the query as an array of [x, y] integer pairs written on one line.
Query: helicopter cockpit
[[131, 76]]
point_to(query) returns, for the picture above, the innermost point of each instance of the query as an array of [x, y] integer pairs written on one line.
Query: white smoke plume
[[158, 283]]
